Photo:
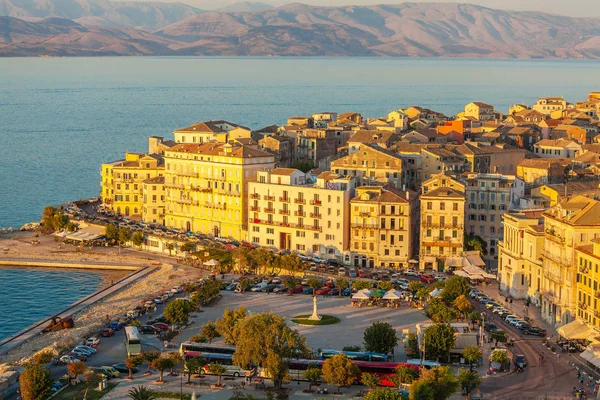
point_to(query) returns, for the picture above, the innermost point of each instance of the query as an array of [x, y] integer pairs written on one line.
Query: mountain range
[[98, 27]]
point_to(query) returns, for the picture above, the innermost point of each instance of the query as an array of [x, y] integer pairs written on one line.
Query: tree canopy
[[35, 382], [226, 325], [178, 311], [339, 370], [454, 287], [441, 380], [380, 338], [439, 339], [383, 394], [209, 331]]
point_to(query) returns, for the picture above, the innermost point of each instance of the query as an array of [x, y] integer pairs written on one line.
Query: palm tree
[[141, 393]]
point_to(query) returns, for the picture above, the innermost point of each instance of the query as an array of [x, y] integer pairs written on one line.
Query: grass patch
[[77, 392], [325, 320], [173, 395]]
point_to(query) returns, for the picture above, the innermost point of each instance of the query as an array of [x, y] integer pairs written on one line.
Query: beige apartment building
[[572, 223], [153, 210], [371, 165], [442, 224], [520, 271], [383, 226], [206, 186], [549, 105], [288, 210], [488, 198], [211, 131]]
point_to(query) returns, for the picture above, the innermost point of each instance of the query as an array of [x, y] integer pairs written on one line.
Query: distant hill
[[408, 30], [246, 6], [143, 15]]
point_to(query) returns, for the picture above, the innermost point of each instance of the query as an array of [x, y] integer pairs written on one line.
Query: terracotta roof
[[482, 105], [208, 127], [156, 180], [543, 163], [578, 210], [443, 192], [284, 171], [373, 136], [588, 157], [555, 142], [269, 129]]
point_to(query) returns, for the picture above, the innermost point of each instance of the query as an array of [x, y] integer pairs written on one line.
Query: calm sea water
[[31, 294], [61, 118]]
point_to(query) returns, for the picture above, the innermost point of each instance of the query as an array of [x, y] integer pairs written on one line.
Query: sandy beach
[[91, 319]]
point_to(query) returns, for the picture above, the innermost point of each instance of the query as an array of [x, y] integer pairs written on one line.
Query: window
[[270, 231], [270, 241], [256, 229], [442, 206], [455, 206], [429, 205]]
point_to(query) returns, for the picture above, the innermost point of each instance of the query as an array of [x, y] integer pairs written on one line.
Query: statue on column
[[315, 316]]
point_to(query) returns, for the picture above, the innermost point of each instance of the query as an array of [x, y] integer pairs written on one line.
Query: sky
[[577, 8]]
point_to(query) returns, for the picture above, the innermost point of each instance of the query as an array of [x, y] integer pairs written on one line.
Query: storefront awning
[[592, 355], [461, 273], [575, 330], [454, 262]]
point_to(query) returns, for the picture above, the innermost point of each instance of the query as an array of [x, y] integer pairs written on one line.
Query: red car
[[427, 278], [298, 289], [361, 273], [323, 290], [160, 326], [107, 332]]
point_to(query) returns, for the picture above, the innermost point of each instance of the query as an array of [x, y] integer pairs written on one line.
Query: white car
[[169, 294], [93, 341], [410, 272], [68, 359], [276, 280], [85, 349], [158, 300], [80, 351], [177, 289]]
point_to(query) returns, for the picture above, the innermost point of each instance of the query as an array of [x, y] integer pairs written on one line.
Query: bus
[[226, 360], [427, 364], [193, 349], [355, 355], [132, 341]]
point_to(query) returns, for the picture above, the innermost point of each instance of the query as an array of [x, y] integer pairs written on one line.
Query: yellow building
[[289, 210], [383, 226], [122, 182], [588, 276], [572, 223], [371, 165], [480, 111], [548, 105], [211, 131], [520, 255], [442, 223], [206, 186], [153, 211]]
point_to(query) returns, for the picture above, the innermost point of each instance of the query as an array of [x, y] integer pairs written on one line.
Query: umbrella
[[392, 295], [361, 295], [377, 293], [211, 263]]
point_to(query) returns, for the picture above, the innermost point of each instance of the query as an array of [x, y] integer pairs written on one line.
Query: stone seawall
[[15, 262]]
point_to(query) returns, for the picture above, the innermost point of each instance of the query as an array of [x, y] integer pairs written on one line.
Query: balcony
[[269, 210], [597, 294], [315, 228], [218, 206], [364, 226], [269, 198], [583, 270], [364, 214], [190, 174], [553, 276], [315, 215], [300, 213], [315, 202], [284, 199], [254, 220], [255, 196], [256, 209], [300, 201], [285, 224], [437, 225], [582, 305], [227, 192], [201, 189], [596, 313], [174, 185], [550, 296], [284, 212]]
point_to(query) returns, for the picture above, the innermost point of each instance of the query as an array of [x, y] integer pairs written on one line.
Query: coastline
[[152, 275]]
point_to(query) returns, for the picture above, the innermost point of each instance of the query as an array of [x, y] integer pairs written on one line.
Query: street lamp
[[181, 386]]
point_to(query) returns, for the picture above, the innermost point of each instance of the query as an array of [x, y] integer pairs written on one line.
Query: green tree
[[124, 235], [472, 354], [133, 362], [439, 339], [150, 356], [475, 243], [340, 371], [422, 294], [217, 369], [76, 368], [170, 246], [35, 382], [245, 283], [48, 217], [468, 380], [383, 394], [138, 238], [412, 345], [176, 358], [441, 380], [209, 331], [360, 285], [474, 316], [71, 227], [303, 165], [136, 323], [454, 287], [43, 357], [226, 325], [290, 284], [341, 284], [420, 390], [380, 337], [313, 376], [314, 284], [177, 312], [499, 336], [351, 348], [406, 374], [266, 340], [111, 232], [442, 314], [292, 263], [499, 356], [370, 380], [414, 287], [187, 247], [463, 305], [141, 393], [386, 286], [193, 365], [161, 364]]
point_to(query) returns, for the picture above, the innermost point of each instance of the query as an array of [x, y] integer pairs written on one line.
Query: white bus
[[132, 341], [194, 349]]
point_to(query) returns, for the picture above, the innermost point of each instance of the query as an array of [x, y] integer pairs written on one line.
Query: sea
[[29, 295], [60, 118]]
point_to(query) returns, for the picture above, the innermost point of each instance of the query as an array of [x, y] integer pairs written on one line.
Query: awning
[[436, 292], [392, 295], [454, 262], [474, 260], [429, 259], [477, 273], [575, 330], [364, 294], [592, 355], [461, 273]]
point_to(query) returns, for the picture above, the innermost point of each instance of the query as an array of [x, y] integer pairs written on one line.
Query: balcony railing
[[284, 212], [597, 294], [218, 206], [284, 199], [300, 201], [364, 214], [269, 210], [553, 276], [252, 208], [255, 196], [190, 174], [315, 215], [364, 226], [315, 202], [269, 198], [300, 213], [437, 225]]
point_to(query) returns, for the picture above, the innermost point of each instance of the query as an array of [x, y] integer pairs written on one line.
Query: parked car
[[158, 300], [375, 276], [160, 326], [87, 348], [307, 290], [231, 287], [116, 325], [342, 271], [92, 341], [427, 278], [276, 280], [534, 331], [334, 292], [361, 273], [298, 289], [66, 359], [352, 273], [177, 289], [346, 292], [269, 288], [323, 290], [111, 370], [491, 304], [121, 367], [410, 272], [160, 318], [107, 332], [78, 356], [149, 329], [280, 289], [81, 352]]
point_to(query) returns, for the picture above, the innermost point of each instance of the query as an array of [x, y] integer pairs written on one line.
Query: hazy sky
[[580, 8]]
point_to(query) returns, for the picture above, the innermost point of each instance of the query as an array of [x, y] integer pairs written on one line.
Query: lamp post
[[181, 386]]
